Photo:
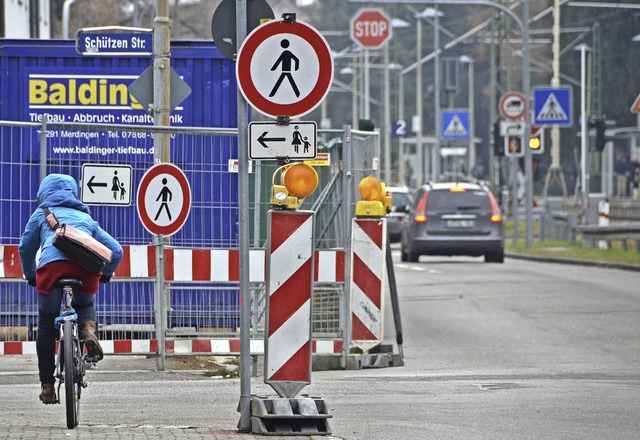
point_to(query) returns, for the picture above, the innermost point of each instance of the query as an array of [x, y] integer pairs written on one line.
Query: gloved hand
[[105, 278], [32, 281]]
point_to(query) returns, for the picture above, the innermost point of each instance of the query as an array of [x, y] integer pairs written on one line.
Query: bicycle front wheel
[[70, 359]]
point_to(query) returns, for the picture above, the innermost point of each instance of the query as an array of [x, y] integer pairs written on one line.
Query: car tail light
[[421, 210], [496, 214]]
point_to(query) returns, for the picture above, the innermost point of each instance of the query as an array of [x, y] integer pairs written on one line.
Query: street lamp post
[[433, 13], [465, 59], [395, 23], [584, 173], [435, 152]]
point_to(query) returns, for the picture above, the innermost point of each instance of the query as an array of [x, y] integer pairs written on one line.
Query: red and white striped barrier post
[[290, 270], [368, 263], [603, 220], [368, 259]]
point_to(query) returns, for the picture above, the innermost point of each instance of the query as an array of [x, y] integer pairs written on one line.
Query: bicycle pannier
[[79, 246]]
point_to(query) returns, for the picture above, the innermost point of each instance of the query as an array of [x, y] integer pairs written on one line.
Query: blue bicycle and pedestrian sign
[[455, 124], [552, 106]]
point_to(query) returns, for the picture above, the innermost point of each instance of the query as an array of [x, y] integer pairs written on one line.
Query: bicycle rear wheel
[[69, 348]]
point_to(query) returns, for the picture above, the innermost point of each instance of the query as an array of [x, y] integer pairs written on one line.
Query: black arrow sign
[[91, 184], [263, 140]]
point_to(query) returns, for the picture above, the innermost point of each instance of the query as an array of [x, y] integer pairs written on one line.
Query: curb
[[574, 261]]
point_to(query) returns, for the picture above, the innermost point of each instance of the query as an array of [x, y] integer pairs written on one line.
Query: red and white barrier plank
[[289, 286], [368, 259]]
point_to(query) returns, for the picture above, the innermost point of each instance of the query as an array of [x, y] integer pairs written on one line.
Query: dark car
[[400, 202], [454, 218]]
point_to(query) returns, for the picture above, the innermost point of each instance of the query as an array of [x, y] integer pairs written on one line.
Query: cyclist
[[59, 193]]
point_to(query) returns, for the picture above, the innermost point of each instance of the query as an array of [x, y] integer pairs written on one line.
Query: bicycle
[[71, 363]]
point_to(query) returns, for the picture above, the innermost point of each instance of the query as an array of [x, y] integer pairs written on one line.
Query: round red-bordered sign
[[284, 68], [513, 105], [163, 199]]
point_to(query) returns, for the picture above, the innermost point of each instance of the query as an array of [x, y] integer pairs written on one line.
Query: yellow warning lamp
[[297, 181], [376, 202]]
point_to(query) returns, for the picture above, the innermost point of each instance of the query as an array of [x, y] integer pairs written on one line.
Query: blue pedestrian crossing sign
[[552, 106], [455, 124]]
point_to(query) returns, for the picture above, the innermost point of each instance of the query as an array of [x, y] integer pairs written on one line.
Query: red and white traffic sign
[[284, 68], [513, 105], [370, 28], [164, 199]]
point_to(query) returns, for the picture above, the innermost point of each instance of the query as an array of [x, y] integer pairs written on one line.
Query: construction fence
[[200, 276]]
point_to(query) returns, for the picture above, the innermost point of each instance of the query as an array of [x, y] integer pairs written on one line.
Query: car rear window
[[400, 199], [445, 199]]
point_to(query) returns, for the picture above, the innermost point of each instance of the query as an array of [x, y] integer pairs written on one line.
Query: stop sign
[[370, 28]]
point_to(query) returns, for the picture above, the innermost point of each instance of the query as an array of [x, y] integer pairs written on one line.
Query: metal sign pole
[[243, 188], [161, 117]]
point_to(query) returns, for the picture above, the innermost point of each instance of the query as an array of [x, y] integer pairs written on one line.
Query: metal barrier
[[194, 308]]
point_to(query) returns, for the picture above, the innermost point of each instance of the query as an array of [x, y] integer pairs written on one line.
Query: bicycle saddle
[[69, 282]]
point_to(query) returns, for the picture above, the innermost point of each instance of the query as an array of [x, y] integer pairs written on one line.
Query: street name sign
[[106, 184], [114, 41], [163, 199], [284, 68], [269, 140]]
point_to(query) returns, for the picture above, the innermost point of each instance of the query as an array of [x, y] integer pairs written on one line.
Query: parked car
[[453, 218], [400, 201]]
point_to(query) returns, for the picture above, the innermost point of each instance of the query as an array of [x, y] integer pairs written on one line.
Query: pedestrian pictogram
[[552, 106], [284, 68], [455, 124], [106, 184], [287, 62], [270, 140], [164, 199]]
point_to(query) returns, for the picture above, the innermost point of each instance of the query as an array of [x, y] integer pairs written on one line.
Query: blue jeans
[[49, 306]]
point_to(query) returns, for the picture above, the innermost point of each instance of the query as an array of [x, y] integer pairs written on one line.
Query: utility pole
[[555, 170], [161, 118]]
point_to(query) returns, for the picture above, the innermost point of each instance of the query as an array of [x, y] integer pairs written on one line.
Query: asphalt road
[[521, 350]]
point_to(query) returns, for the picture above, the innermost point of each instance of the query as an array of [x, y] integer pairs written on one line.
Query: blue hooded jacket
[[59, 193]]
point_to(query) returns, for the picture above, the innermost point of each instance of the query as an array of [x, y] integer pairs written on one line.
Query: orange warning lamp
[[297, 181], [376, 202]]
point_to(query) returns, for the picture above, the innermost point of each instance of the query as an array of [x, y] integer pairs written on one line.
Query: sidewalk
[[48, 421]]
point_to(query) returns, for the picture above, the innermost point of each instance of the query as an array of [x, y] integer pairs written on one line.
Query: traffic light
[[536, 143], [376, 203], [498, 140], [513, 146], [600, 138], [297, 181], [600, 124]]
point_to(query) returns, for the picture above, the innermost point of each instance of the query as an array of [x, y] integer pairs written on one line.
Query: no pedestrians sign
[[284, 68]]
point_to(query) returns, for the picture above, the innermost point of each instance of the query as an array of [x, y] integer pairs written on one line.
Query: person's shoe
[[90, 340], [48, 393]]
